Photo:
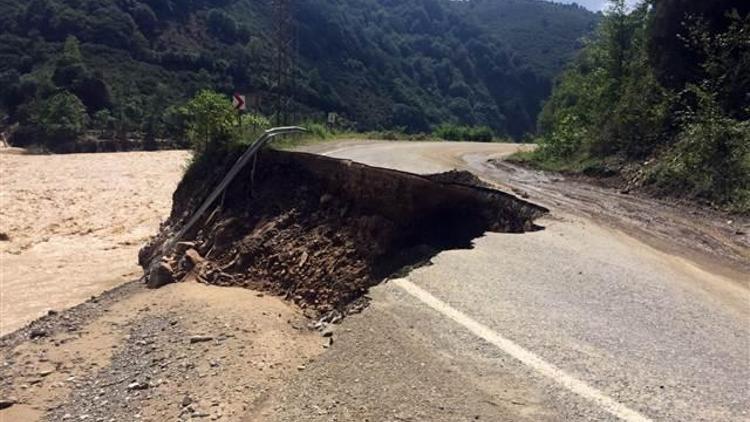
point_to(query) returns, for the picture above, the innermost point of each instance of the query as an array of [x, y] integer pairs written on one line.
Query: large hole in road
[[321, 231]]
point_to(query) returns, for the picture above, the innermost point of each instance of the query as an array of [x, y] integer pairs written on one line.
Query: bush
[[388, 135], [610, 105], [58, 120], [250, 129], [451, 132], [215, 131], [210, 121], [711, 158], [566, 140], [318, 130], [222, 25]]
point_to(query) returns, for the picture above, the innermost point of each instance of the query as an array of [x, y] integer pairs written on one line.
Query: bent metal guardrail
[[239, 165]]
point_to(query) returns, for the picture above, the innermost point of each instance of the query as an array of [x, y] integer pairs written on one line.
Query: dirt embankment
[[321, 231], [133, 354]]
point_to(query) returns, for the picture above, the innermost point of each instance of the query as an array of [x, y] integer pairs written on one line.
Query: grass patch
[[321, 134], [451, 132], [290, 142]]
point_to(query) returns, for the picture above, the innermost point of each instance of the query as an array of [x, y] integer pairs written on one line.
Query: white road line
[[525, 356]]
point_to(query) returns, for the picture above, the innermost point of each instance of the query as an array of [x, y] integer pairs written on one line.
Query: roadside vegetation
[[211, 126], [658, 96]]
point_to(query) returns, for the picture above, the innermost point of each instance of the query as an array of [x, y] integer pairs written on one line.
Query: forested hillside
[[123, 65], [660, 96]]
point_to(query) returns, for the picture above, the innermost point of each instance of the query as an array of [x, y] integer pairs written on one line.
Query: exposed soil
[[134, 354], [321, 231]]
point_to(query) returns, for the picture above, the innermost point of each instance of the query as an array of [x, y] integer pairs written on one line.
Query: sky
[[595, 5]]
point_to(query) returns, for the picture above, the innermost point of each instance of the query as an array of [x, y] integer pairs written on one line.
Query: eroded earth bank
[[321, 231], [246, 298]]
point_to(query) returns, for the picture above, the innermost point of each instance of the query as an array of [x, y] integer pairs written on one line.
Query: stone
[[46, 372], [137, 386], [191, 260], [303, 259], [7, 402], [181, 247], [37, 333], [200, 339], [159, 275]]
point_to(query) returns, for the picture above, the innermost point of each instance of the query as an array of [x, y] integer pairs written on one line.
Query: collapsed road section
[[321, 231]]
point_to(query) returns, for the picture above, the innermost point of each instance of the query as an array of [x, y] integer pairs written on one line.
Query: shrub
[[711, 158], [222, 25], [250, 129], [451, 132], [566, 139], [59, 120], [614, 103], [318, 130], [210, 121]]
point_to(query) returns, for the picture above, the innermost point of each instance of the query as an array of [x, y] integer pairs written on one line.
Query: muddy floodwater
[[71, 225]]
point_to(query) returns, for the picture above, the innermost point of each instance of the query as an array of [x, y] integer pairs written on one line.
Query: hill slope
[[378, 63]]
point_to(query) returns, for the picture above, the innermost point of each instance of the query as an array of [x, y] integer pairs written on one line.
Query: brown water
[[75, 224]]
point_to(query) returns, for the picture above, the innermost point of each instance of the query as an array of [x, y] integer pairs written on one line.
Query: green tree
[[72, 74], [617, 34], [61, 119], [608, 102], [676, 63], [103, 120], [222, 25], [69, 68], [210, 120], [711, 156], [725, 69], [146, 19], [617, 104]]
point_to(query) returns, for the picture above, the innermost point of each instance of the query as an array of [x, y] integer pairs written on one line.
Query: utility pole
[[285, 49]]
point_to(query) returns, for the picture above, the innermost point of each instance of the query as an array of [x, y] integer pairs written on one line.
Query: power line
[[285, 47]]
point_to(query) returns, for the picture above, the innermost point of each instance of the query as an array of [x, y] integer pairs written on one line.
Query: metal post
[[231, 174]]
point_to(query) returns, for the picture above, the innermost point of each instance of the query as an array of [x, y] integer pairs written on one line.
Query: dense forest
[[661, 96], [124, 66]]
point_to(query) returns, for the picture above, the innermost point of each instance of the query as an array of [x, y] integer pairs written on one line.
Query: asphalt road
[[581, 321]]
